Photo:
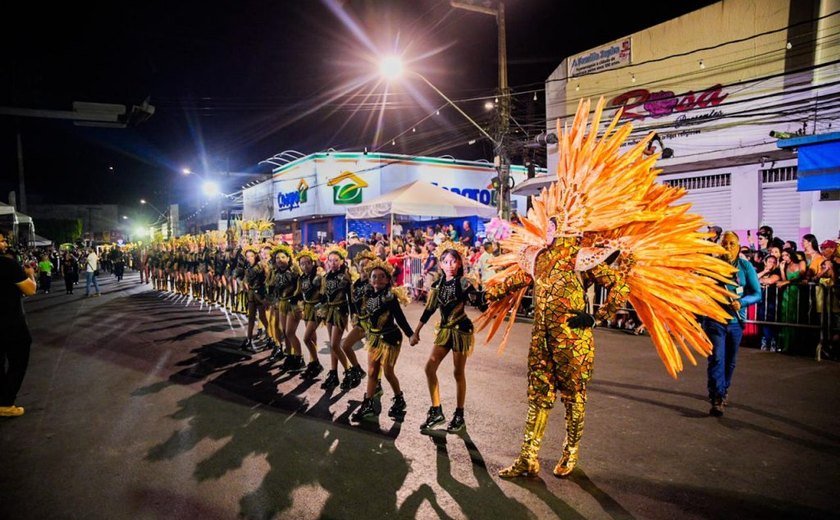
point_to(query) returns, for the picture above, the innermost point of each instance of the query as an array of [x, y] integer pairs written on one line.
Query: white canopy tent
[[18, 219], [420, 199]]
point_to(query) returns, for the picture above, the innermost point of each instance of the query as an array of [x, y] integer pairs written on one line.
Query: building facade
[[720, 86], [308, 198]]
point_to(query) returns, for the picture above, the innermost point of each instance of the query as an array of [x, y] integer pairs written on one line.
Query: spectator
[[831, 263], [768, 277], [430, 266], [355, 246], [717, 230], [726, 338], [91, 271], [45, 268], [484, 269], [70, 271], [813, 258], [792, 272], [440, 236], [467, 235], [14, 281]]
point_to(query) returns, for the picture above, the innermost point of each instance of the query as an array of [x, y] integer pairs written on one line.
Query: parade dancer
[[359, 318], [449, 293], [605, 220], [310, 288], [336, 308], [255, 292], [385, 320], [289, 313]]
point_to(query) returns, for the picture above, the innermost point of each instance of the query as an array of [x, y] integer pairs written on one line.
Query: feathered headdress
[[283, 248], [338, 250], [449, 244], [378, 263], [365, 254], [308, 253]]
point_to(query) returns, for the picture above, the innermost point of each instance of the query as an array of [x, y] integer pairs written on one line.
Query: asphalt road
[[135, 408]]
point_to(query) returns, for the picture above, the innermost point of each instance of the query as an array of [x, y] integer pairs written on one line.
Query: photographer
[[14, 281]]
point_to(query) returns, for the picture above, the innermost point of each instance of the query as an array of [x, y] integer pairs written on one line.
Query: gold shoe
[[567, 462], [521, 467], [11, 411]]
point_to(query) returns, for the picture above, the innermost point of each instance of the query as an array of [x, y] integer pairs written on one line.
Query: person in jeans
[[726, 337], [14, 349], [91, 268]]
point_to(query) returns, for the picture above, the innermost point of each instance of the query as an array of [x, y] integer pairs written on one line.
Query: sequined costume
[[310, 291], [455, 330], [358, 309], [284, 287], [605, 221], [336, 299], [386, 319]]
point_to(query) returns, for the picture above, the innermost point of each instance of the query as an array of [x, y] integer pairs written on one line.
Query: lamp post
[[391, 69], [502, 160]]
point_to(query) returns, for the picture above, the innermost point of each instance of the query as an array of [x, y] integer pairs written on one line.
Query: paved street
[[136, 409]]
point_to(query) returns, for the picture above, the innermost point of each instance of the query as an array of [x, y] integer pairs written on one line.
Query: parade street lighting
[[211, 189], [186, 171], [125, 217], [391, 69], [160, 213]]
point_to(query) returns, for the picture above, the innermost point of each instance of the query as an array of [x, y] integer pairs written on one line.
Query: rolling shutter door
[[710, 196], [780, 202]]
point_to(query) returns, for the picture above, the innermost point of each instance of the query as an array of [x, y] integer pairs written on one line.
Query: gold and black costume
[[455, 330], [386, 319]]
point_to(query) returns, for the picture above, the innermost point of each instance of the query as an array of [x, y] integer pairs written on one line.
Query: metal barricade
[[785, 313]]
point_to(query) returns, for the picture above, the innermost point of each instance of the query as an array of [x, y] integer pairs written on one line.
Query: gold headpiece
[[449, 244], [283, 248], [365, 254], [250, 247], [338, 250], [308, 253], [378, 263]]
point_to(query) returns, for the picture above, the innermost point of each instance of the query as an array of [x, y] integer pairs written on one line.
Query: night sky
[[236, 82]]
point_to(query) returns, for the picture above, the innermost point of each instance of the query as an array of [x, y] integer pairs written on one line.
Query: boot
[[312, 370], [296, 364], [248, 346], [717, 407], [331, 381], [366, 410], [433, 418], [528, 462], [349, 377], [397, 409], [574, 431], [358, 374], [457, 423], [276, 353]]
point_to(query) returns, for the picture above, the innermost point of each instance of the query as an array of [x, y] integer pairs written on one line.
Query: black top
[[11, 307], [384, 314], [310, 287], [337, 288], [450, 296], [255, 278], [360, 288]]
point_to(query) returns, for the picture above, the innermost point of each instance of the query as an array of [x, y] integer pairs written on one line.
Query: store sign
[[347, 188], [612, 56], [641, 103], [293, 199], [486, 196]]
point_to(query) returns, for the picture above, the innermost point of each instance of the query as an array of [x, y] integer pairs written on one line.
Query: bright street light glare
[[142, 201], [210, 188], [488, 105], [391, 68], [140, 231], [125, 217], [186, 171]]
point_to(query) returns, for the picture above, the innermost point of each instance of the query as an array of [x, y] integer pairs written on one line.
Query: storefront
[[310, 195], [719, 102]]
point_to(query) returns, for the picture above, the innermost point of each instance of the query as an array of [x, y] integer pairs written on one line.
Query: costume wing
[[673, 275]]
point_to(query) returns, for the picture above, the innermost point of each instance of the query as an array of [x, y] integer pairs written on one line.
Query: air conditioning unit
[[830, 195]]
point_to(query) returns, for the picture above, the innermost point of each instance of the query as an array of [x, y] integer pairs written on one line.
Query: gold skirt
[[451, 337], [379, 350]]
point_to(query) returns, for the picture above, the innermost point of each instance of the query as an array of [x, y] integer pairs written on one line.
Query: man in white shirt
[[482, 264], [91, 268]]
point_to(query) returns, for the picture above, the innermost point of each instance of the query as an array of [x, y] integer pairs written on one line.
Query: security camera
[[781, 135]]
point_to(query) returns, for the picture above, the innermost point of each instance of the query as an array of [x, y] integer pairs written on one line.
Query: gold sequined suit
[[560, 358]]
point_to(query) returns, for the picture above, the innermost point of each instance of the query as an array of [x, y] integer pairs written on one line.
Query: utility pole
[[21, 182], [502, 161]]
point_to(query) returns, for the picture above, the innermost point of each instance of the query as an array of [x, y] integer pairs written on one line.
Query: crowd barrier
[[800, 319]]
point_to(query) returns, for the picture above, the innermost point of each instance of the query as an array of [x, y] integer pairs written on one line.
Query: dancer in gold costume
[[604, 221]]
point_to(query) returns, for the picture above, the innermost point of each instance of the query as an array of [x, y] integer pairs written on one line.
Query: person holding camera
[[14, 281]]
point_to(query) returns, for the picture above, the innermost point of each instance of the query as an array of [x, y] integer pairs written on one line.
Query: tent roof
[[38, 240], [421, 199]]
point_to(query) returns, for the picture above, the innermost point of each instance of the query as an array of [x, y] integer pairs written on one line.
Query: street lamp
[[391, 69]]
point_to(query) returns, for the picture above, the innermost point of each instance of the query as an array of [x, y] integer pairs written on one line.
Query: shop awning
[[818, 167]]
